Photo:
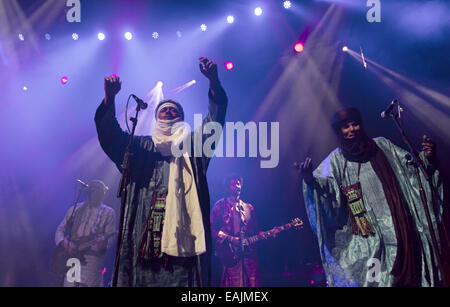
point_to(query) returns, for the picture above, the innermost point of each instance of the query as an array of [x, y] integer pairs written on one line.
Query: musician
[[364, 205], [93, 223], [229, 215], [166, 239]]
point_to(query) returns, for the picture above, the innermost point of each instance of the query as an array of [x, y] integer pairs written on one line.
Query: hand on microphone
[[112, 87]]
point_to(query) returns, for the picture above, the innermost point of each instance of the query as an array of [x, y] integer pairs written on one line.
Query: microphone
[[85, 185], [140, 102], [389, 109]]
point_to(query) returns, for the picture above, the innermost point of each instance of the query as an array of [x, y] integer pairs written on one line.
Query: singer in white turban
[[166, 239]]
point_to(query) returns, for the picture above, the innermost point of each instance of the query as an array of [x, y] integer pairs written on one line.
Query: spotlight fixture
[[128, 36], [229, 65], [64, 80], [287, 4], [101, 36], [179, 34], [25, 88], [75, 36], [21, 37], [203, 27], [155, 35], [298, 47], [47, 36], [345, 48], [258, 11], [159, 84], [230, 19]]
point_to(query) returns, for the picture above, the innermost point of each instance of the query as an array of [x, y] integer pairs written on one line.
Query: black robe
[[148, 169]]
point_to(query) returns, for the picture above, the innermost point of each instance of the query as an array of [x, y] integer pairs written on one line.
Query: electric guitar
[[230, 254], [61, 255]]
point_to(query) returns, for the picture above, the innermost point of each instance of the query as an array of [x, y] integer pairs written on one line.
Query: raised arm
[[215, 119], [112, 138]]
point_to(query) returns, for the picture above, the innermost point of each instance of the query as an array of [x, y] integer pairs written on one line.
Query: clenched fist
[[112, 87]]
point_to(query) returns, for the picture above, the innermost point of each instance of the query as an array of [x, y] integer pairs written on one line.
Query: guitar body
[[59, 260], [230, 255], [58, 264]]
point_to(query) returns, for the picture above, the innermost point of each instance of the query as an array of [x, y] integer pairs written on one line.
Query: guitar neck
[[261, 236]]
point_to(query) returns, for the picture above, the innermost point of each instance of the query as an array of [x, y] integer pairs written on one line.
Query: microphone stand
[[417, 162], [122, 192], [242, 236]]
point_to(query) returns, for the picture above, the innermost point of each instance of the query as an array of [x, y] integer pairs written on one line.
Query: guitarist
[[227, 217], [91, 226]]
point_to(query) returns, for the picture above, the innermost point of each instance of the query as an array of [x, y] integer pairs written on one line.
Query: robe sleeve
[[214, 122], [110, 227], [216, 219], [327, 214], [113, 139], [62, 227], [434, 189]]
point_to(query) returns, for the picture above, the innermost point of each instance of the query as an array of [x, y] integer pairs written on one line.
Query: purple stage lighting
[[299, 47], [128, 36]]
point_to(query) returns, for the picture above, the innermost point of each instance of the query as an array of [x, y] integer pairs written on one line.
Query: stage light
[[203, 27], [287, 4], [345, 48], [64, 80], [75, 36], [21, 37], [155, 35], [47, 36], [128, 36], [229, 65], [299, 47], [25, 88], [258, 11], [159, 84], [230, 19], [179, 34], [101, 36]]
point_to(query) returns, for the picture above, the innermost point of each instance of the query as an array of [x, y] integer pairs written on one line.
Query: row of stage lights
[[258, 11], [228, 65]]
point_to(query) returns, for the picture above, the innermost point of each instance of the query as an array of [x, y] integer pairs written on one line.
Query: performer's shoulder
[[107, 208], [382, 140], [325, 168], [78, 206], [220, 202]]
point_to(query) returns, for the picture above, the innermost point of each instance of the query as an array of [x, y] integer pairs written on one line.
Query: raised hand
[[112, 87], [306, 170], [429, 148], [208, 69]]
